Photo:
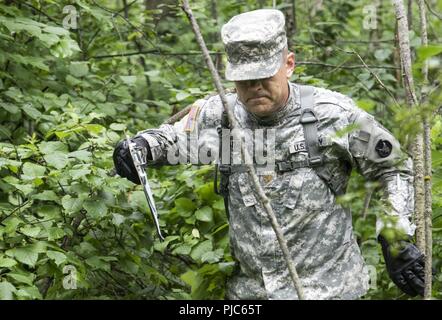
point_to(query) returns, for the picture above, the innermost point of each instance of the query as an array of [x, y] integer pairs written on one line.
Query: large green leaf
[[6, 290], [204, 214], [33, 170], [57, 256], [27, 254], [96, 208], [200, 249], [79, 68], [52, 146], [184, 206], [71, 204], [428, 51], [7, 262]]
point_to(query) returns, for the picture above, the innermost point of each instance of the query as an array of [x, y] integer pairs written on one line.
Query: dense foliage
[[67, 96]]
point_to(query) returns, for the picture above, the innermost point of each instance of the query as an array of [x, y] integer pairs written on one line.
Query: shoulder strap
[[309, 121]]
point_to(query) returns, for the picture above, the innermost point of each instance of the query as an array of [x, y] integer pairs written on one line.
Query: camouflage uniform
[[318, 230]]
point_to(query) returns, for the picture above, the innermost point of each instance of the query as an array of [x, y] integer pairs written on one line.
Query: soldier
[[311, 169]]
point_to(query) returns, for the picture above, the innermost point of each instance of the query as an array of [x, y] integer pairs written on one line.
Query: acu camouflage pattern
[[318, 230], [254, 43]]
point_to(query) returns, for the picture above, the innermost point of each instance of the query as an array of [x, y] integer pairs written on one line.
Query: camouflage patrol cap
[[254, 42]]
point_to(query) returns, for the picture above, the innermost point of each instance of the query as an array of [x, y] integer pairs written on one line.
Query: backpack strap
[[224, 169], [309, 120]]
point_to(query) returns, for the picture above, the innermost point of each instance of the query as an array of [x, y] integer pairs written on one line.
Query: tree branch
[[437, 15]]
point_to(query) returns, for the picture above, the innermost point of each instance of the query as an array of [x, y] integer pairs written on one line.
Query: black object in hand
[[123, 161], [406, 268]]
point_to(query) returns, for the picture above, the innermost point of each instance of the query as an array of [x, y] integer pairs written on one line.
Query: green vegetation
[[68, 96]]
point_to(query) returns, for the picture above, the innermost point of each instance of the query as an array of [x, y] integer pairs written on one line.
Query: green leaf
[[31, 111], [200, 249], [49, 211], [118, 219], [7, 262], [212, 256], [78, 173], [52, 146], [6, 290], [27, 254], [382, 54], [56, 30], [129, 80], [11, 108], [47, 195], [182, 249], [94, 128], [33, 170], [55, 233], [118, 126], [82, 155], [204, 214], [30, 231], [100, 262], [58, 160], [23, 278], [30, 292], [185, 207], [15, 26], [57, 256], [79, 69], [160, 246], [196, 233], [49, 39], [70, 204], [96, 208], [182, 95], [219, 205], [65, 48], [11, 224], [428, 51]]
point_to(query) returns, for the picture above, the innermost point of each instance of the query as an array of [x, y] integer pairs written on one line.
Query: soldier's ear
[[290, 64]]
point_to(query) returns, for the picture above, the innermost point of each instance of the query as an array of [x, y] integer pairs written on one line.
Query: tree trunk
[[410, 14], [216, 37], [417, 147], [427, 157], [290, 22]]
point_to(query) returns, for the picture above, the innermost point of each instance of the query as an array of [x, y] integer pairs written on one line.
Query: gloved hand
[[406, 267], [123, 160]]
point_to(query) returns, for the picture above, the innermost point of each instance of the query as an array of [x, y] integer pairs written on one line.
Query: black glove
[[123, 160], [406, 268]]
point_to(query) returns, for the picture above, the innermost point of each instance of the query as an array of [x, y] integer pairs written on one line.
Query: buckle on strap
[[308, 116], [315, 161], [284, 166], [224, 168]]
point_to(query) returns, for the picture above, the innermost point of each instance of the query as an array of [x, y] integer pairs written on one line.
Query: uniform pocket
[[294, 190], [245, 188]]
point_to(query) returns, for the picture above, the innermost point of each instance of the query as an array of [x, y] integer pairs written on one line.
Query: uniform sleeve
[[193, 139], [379, 157]]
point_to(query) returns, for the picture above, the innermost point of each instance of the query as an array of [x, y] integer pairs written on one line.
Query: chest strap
[[279, 167], [309, 121]]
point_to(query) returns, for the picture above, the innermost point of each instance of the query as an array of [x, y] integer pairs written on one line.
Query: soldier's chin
[[260, 110], [259, 107]]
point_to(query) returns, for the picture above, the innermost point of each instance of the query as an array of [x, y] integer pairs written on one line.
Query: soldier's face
[[265, 96]]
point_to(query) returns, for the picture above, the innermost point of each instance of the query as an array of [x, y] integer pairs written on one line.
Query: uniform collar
[[293, 103]]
